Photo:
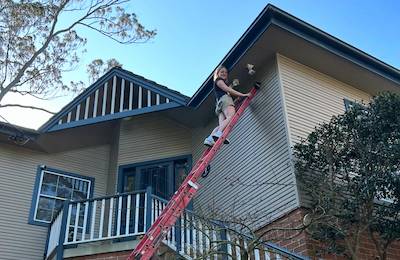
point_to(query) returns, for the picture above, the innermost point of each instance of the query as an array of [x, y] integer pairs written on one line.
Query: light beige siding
[[20, 240], [113, 170], [312, 97], [152, 137], [253, 174]]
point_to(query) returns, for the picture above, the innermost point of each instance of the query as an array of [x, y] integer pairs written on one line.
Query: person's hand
[[247, 95]]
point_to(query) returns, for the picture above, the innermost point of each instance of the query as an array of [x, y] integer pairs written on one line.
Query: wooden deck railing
[[131, 214]]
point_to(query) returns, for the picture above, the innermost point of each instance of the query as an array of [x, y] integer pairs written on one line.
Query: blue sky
[[193, 37]]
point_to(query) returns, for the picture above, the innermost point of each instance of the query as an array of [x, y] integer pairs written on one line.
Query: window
[[390, 192], [164, 176], [158, 176], [52, 188], [348, 104]]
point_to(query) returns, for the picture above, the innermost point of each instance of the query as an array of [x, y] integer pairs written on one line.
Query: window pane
[[65, 182], [157, 177], [59, 204], [181, 172], [50, 178], [46, 203], [64, 189], [80, 189], [79, 195], [45, 209], [64, 192], [129, 183], [55, 189], [49, 189], [44, 215]]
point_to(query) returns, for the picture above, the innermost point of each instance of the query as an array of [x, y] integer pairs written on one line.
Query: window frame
[[348, 104], [37, 187], [171, 160]]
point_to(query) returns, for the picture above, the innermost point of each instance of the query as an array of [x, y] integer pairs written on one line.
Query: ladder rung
[[193, 185]]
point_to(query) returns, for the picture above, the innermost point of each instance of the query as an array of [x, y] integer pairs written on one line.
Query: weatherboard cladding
[[152, 137], [117, 94], [312, 98], [254, 173], [18, 171]]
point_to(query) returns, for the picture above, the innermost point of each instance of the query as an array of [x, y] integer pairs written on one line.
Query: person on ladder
[[225, 108]]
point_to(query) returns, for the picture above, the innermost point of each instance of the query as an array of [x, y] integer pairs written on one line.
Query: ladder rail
[[185, 193]]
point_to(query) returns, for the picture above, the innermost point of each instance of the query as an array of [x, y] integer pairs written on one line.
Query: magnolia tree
[[349, 170], [39, 41]]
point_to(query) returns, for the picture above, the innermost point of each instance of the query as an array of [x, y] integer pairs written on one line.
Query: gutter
[[272, 15]]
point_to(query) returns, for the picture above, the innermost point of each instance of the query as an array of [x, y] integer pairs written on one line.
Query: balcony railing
[[131, 214]]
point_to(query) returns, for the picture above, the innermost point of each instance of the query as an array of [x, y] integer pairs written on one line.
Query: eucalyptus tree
[[39, 41]]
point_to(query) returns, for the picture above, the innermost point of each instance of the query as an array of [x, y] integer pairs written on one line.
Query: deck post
[[63, 230]]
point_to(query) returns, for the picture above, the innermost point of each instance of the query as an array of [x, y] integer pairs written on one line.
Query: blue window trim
[[40, 168], [188, 157]]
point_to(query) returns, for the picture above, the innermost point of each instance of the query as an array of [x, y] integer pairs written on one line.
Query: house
[[121, 148]]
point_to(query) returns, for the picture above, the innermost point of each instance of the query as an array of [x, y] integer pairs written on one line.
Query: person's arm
[[221, 84]]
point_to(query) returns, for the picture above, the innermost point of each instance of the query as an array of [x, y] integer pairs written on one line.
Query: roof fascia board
[[230, 62], [272, 15], [10, 131], [334, 45], [236, 52]]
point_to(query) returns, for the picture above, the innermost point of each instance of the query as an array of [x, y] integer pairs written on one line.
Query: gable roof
[[83, 110], [117, 94], [273, 16]]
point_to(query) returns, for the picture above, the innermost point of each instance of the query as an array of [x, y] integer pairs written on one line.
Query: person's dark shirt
[[217, 90]]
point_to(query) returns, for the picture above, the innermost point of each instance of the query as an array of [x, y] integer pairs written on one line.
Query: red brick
[[304, 245]]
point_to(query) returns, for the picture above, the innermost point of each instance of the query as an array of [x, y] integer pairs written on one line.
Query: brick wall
[[108, 256], [163, 253], [301, 242], [295, 241]]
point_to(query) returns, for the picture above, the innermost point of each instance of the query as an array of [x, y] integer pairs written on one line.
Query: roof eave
[[116, 71], [272, 15]]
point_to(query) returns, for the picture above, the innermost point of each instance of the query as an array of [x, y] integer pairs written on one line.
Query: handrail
[[108, 197], [93, 199], [178, 239], [269, 245]]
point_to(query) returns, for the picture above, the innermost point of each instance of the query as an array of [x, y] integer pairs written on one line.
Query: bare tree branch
[[30, 107], [39, 46]]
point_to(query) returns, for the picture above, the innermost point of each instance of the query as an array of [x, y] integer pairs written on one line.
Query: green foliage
[[39, 40], [350, 170]]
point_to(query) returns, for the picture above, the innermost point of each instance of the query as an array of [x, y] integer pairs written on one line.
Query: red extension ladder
[[160, 228]]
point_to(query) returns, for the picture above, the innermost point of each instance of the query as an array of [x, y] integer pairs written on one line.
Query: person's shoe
[[217, 135], [209, 141]]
